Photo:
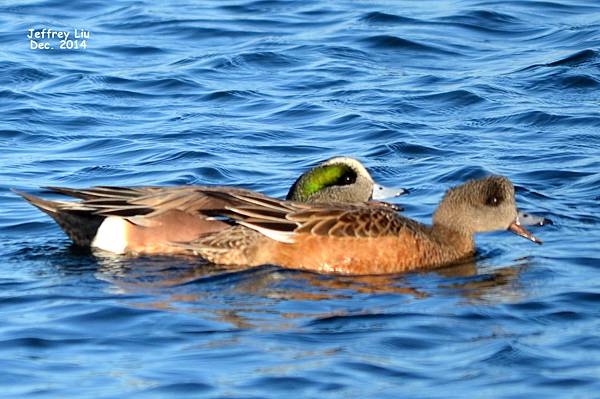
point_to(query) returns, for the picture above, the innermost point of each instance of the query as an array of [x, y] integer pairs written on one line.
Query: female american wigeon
[[149, 219], [356, 239]]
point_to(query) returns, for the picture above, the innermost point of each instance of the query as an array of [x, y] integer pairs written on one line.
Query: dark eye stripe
[[349, 177]]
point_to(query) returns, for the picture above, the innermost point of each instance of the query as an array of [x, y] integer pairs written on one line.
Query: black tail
[[80, 225]]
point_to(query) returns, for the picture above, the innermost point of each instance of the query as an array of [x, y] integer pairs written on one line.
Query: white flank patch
[[111, 235]]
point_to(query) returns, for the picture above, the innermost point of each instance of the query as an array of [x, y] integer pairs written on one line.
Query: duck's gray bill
[[517, 228], [527, 219], [380, 192]]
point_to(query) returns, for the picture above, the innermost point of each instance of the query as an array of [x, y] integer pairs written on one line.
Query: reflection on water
[[192, 285], [500, 285]]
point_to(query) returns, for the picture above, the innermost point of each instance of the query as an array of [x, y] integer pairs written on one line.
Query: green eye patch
[[320, 178]]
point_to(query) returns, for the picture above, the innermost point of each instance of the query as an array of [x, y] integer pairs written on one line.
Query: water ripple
[[251, 93], [398, 43]]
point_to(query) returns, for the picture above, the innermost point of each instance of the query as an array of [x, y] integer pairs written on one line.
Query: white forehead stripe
[[357, 165]]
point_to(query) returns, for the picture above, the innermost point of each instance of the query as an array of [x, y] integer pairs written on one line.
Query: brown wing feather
[[105, 201], [101, 192], [273, 215], [151, 201], [366, 221]]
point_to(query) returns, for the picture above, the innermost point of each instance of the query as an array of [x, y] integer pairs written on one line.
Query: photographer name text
[[42, 39]]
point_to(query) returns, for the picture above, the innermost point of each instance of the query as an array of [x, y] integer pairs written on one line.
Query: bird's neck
[[459, 240]]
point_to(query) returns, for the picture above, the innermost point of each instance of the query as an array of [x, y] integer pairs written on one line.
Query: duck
[[356, 239], [149, 219]]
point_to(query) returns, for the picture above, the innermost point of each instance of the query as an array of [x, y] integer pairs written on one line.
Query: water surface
[[252, 93]]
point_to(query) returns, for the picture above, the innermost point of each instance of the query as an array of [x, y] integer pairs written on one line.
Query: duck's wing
[[283, 220], [148, 201], [102, 191], [357, 221]]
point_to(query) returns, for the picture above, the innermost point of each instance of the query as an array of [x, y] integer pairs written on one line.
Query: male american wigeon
[[241, 227], [149, 219]]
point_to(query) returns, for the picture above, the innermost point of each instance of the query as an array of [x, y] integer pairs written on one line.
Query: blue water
[[252, 93]]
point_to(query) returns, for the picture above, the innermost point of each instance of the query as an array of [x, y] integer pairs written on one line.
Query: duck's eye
[[493, 201], [347, 178]]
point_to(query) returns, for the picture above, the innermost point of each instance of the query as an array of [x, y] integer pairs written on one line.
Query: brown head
[[481, 205]]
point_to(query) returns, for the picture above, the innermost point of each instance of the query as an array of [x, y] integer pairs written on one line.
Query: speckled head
[[481, 205], [339, 179]]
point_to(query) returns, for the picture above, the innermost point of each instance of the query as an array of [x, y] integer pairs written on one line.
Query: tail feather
[[96, 192], [49, 207], [80, 225]]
